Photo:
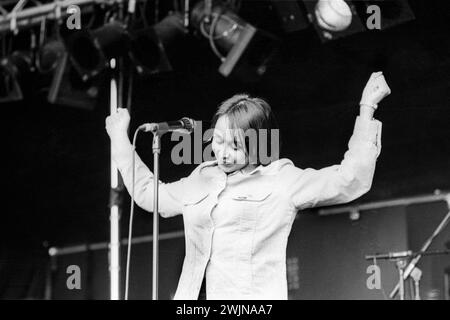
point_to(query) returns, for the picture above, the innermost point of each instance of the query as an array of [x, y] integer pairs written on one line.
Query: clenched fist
[[117, 125], [376, 89]]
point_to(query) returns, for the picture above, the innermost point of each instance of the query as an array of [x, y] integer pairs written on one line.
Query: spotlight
[[14, 70], [333, 15], [91, 50], [49, 56], [333, 19], [150, 47], [243, 49], [68, 89], [59, 80]]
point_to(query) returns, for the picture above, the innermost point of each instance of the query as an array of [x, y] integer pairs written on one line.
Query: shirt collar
[[255, 170], [259, 169]]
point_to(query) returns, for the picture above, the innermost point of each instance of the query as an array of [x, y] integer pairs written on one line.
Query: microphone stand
[[156, 146], [400, 259], [401, 264], [416, 274], [412, 264]]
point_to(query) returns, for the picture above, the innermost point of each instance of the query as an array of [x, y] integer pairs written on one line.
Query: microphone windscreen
[[189, 124]]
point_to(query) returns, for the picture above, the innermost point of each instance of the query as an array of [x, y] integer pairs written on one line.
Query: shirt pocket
[[249, 206], [253, 197]]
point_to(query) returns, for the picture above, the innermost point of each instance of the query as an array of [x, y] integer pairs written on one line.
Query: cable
[[130, 225], [223, 34], [211, 38], [212, 28]]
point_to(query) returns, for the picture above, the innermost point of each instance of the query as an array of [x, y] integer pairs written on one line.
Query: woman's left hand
[[376, 90]]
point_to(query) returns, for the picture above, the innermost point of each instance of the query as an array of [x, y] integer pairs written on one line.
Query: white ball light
[[333, 15]]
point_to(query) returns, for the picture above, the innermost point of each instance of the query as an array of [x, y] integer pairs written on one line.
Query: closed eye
[[218, 140]]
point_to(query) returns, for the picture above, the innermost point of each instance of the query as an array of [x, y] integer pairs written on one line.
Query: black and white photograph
[[242, 151]]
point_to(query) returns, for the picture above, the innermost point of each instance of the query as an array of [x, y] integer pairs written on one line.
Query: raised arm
[[170, 194], [353, 176]]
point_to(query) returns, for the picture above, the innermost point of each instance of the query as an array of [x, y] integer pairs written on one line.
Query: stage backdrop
[[325, 257]]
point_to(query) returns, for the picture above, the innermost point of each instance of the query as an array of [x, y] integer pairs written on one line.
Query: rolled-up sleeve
[[170, 194], [343, 182]]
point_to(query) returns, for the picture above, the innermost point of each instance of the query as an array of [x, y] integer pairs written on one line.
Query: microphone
[[401, 254], [184, 125], [390, 255]]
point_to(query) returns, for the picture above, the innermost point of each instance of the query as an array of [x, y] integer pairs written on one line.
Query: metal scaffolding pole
[[437, 196], [114, 246], [24, 17]]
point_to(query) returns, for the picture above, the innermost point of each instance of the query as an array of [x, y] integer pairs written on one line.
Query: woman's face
[[229, 151]]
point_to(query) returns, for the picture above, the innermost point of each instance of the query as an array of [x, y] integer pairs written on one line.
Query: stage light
[[333, 19], [49, 56], [91, 50], [14, 71], [149, 47], [243, 49], [333, 15], [56, 77], [68, 89]]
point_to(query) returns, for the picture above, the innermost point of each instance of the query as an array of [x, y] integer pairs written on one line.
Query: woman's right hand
[[117, 125]]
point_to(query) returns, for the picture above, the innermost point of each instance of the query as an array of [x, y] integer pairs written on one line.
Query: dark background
[[57, 158]]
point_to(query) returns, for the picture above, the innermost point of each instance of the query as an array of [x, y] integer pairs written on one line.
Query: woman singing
[[238, 213]]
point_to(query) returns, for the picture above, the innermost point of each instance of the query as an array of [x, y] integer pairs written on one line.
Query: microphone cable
[[130, 225]]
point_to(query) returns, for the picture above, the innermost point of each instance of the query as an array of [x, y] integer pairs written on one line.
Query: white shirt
[[237, 226]]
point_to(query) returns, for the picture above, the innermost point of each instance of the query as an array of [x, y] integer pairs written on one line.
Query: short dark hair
[[245, 112]]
